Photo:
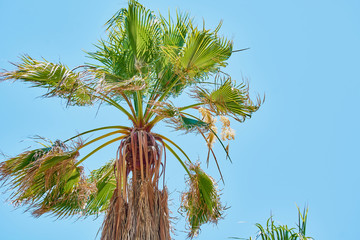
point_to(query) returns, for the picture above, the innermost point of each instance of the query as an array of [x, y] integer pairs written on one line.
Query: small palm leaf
[[67, 198], [115, 58], [229, 99], [174, 33], [283, 232], [129, 51], [105, 183], [176, 119], [201, 203], [179, 122], [191, 124], [204, 52]]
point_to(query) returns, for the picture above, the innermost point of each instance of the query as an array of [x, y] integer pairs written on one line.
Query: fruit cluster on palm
[[144, 62]]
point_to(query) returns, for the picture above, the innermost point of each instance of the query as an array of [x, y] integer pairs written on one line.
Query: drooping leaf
[[67, 198], [191, 124], [105, 183], [46, 180], [201, 203], [14, 167], [58, 79], [176, 119]]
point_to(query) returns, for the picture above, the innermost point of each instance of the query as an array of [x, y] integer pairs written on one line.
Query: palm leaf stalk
[[145, 61]]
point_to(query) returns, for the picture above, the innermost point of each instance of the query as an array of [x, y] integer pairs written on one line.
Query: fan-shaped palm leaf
[[57, 78], [228, 99]]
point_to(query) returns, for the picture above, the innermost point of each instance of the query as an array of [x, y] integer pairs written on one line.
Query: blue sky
[[300, 147]]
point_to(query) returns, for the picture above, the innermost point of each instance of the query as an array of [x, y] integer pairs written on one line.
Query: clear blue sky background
[[300, 147]]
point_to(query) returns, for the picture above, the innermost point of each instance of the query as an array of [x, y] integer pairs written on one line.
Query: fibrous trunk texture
[[138, 209], [145, 216]]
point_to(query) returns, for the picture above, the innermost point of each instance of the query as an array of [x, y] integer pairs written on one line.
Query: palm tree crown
[[144, 62]]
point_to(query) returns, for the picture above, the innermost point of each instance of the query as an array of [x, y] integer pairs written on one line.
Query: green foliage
[[201, 203], [144, 61], [228, 99], [176, 119], [57, 78], [45, 179], [204, 53], [105, 184], [192, 124], [271, 231]]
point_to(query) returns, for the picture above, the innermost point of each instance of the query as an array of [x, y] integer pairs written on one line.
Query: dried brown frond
[[164, 109], [112, 84]]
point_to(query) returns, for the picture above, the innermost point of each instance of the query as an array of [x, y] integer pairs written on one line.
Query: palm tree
[[144, 62], [282, 232]]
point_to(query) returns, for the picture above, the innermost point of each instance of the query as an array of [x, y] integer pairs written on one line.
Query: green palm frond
[[114, 57], [204, 52], [104, 182], [143, 33], [14, 167], [117, 20], [44, 178], [76, 87], [271, 231], [188, 55], [57, 78], [173, 37], [180, 122], [201, 203], [67, 198], [229, 99], [302, 221], [190, 124], [174, 33], [133, 42]]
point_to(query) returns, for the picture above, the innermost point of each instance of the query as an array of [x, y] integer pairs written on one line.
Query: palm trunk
[[138, 209]]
